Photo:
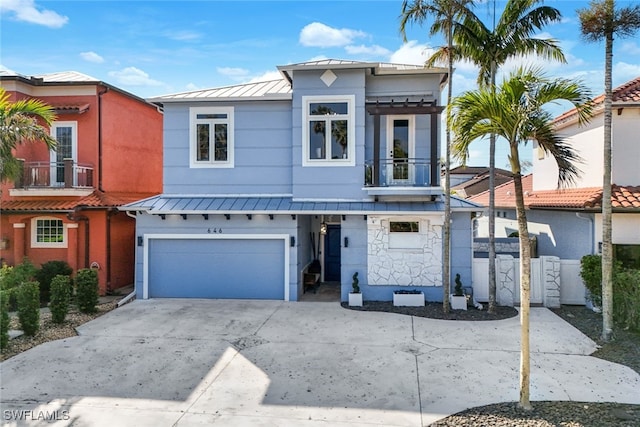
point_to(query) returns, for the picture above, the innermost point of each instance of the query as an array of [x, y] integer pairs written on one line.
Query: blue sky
[[156, 47]]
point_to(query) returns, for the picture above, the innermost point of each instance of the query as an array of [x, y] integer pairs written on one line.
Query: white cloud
[[630, 48], [132, 76], [267, 76], [317, 34], [191, 87], [92, 57], [367, 50], [28, 11], [184, 35], [623, 72], [233, 73], [412, 53]]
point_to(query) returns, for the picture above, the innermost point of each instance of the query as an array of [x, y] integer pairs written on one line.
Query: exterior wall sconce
[[140, 241], [346, 242], [323, 228], [292, 241]]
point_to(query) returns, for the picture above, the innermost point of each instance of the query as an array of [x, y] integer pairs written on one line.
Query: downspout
[[74, 216], [110, 213], [591, 231], [132, 295], [106, 89]]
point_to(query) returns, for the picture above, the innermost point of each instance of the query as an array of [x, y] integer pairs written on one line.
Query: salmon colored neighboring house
[[64, 205]]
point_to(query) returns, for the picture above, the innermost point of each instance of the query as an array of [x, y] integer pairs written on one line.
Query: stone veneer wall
[[410, 259]]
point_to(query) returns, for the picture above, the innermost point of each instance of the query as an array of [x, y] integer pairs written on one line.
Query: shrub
[[591, 273], [12, 277], [29, 307], [47, 272], [60, 296], [87, 290], [4, 319], [626, 298]]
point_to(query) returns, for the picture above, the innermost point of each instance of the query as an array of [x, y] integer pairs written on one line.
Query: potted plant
[[412, 298], [355, 297], [458, 300]]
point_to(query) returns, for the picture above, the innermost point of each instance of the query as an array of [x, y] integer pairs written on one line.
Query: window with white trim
[[211, 137], [405, 234], [328, 130], [48, 233]]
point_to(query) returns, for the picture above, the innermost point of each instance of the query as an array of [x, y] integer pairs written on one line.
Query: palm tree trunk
[[607, 246], [525, 283], [492, 208]]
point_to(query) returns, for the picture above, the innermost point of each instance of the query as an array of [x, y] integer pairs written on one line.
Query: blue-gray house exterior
[[256, 187]]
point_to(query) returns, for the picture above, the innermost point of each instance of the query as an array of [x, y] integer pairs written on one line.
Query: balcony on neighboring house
[[54, 178]]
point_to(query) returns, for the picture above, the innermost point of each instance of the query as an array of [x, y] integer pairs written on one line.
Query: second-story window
[[328, 131], [211, 137]]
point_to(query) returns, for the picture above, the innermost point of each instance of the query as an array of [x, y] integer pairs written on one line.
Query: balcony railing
[[65, 174], [398, 173]]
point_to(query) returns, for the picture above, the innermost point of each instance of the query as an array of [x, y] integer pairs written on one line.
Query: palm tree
[[489, 49], [18, 123], [601, 21], [514, 111], [445, 14]]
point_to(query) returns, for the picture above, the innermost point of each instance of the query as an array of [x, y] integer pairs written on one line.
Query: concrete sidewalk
[[268, 363]]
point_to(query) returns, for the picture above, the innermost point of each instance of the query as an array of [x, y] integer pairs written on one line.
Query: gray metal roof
[[164, 204], [341, 63], [269, 90], [59, 77]]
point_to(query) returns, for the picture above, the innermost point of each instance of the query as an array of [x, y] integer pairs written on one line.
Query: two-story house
[[64, 205], [335, 163], [568, 223]]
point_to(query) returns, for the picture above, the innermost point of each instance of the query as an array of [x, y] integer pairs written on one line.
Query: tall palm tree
[[445, 15], [489, 49], [514, 111], [18, 123], [601, 21]]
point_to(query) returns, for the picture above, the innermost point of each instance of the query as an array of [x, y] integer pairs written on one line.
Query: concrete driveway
[[269, 363]]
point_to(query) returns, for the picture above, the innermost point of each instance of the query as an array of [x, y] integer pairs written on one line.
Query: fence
[[554, 281]]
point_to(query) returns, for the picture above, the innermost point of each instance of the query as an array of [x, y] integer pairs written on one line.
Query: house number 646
[[214, 230]]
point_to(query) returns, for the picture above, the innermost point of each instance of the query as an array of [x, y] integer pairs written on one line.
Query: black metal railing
[[398, 172], [65, 174]]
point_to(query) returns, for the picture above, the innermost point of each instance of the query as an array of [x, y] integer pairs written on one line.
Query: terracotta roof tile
[[96, 199], [622, 197]]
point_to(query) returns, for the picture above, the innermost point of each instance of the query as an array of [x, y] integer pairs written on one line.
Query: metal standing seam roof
[[168, 205], [268, 90]]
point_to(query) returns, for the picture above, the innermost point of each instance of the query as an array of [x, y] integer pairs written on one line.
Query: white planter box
[[410, 300], [458, 303], [355, 300]]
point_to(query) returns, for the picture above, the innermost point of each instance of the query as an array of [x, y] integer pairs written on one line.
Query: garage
[[241, 267]]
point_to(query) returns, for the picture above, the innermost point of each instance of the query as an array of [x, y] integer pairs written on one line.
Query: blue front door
[[332, 253]]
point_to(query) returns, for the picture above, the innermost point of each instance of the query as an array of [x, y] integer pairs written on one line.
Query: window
[[328, 131], [405, 235], [211, 137], [66, 136], [404, 227], [48, 233]]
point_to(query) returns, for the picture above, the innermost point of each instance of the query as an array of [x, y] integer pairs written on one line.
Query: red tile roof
[[623, 198], [96, 199], [628, 92]]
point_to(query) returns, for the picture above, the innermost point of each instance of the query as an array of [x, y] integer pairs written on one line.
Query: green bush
[[87, 290], [60, 296], [45, 275], [626, 298], [29, 307], [591, 273], [4, 320], [12, 277]]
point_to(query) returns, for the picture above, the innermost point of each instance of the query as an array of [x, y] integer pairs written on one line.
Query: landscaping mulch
[[623, 349]]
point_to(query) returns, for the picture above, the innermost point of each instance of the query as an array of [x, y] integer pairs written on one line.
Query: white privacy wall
[[404, 259]]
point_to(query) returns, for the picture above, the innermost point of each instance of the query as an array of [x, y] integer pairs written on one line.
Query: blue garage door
[[212, 268]]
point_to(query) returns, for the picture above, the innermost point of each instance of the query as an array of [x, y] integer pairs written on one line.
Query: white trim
[[351, 130], [193, 149], [411, 146], [147, 237], [19, 225], [72, 225], [48, 192], [34, 232], [54, 153]]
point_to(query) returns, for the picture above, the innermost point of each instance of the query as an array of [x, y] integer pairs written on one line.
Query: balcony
[[66, 177], [400, 177]]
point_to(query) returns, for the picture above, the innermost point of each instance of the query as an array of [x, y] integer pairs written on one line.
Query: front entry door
[[332, 253]]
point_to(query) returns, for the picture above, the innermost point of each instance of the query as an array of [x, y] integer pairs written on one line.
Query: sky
[[151, 48]]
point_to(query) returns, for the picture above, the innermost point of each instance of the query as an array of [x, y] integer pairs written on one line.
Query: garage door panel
[[216, 268]]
